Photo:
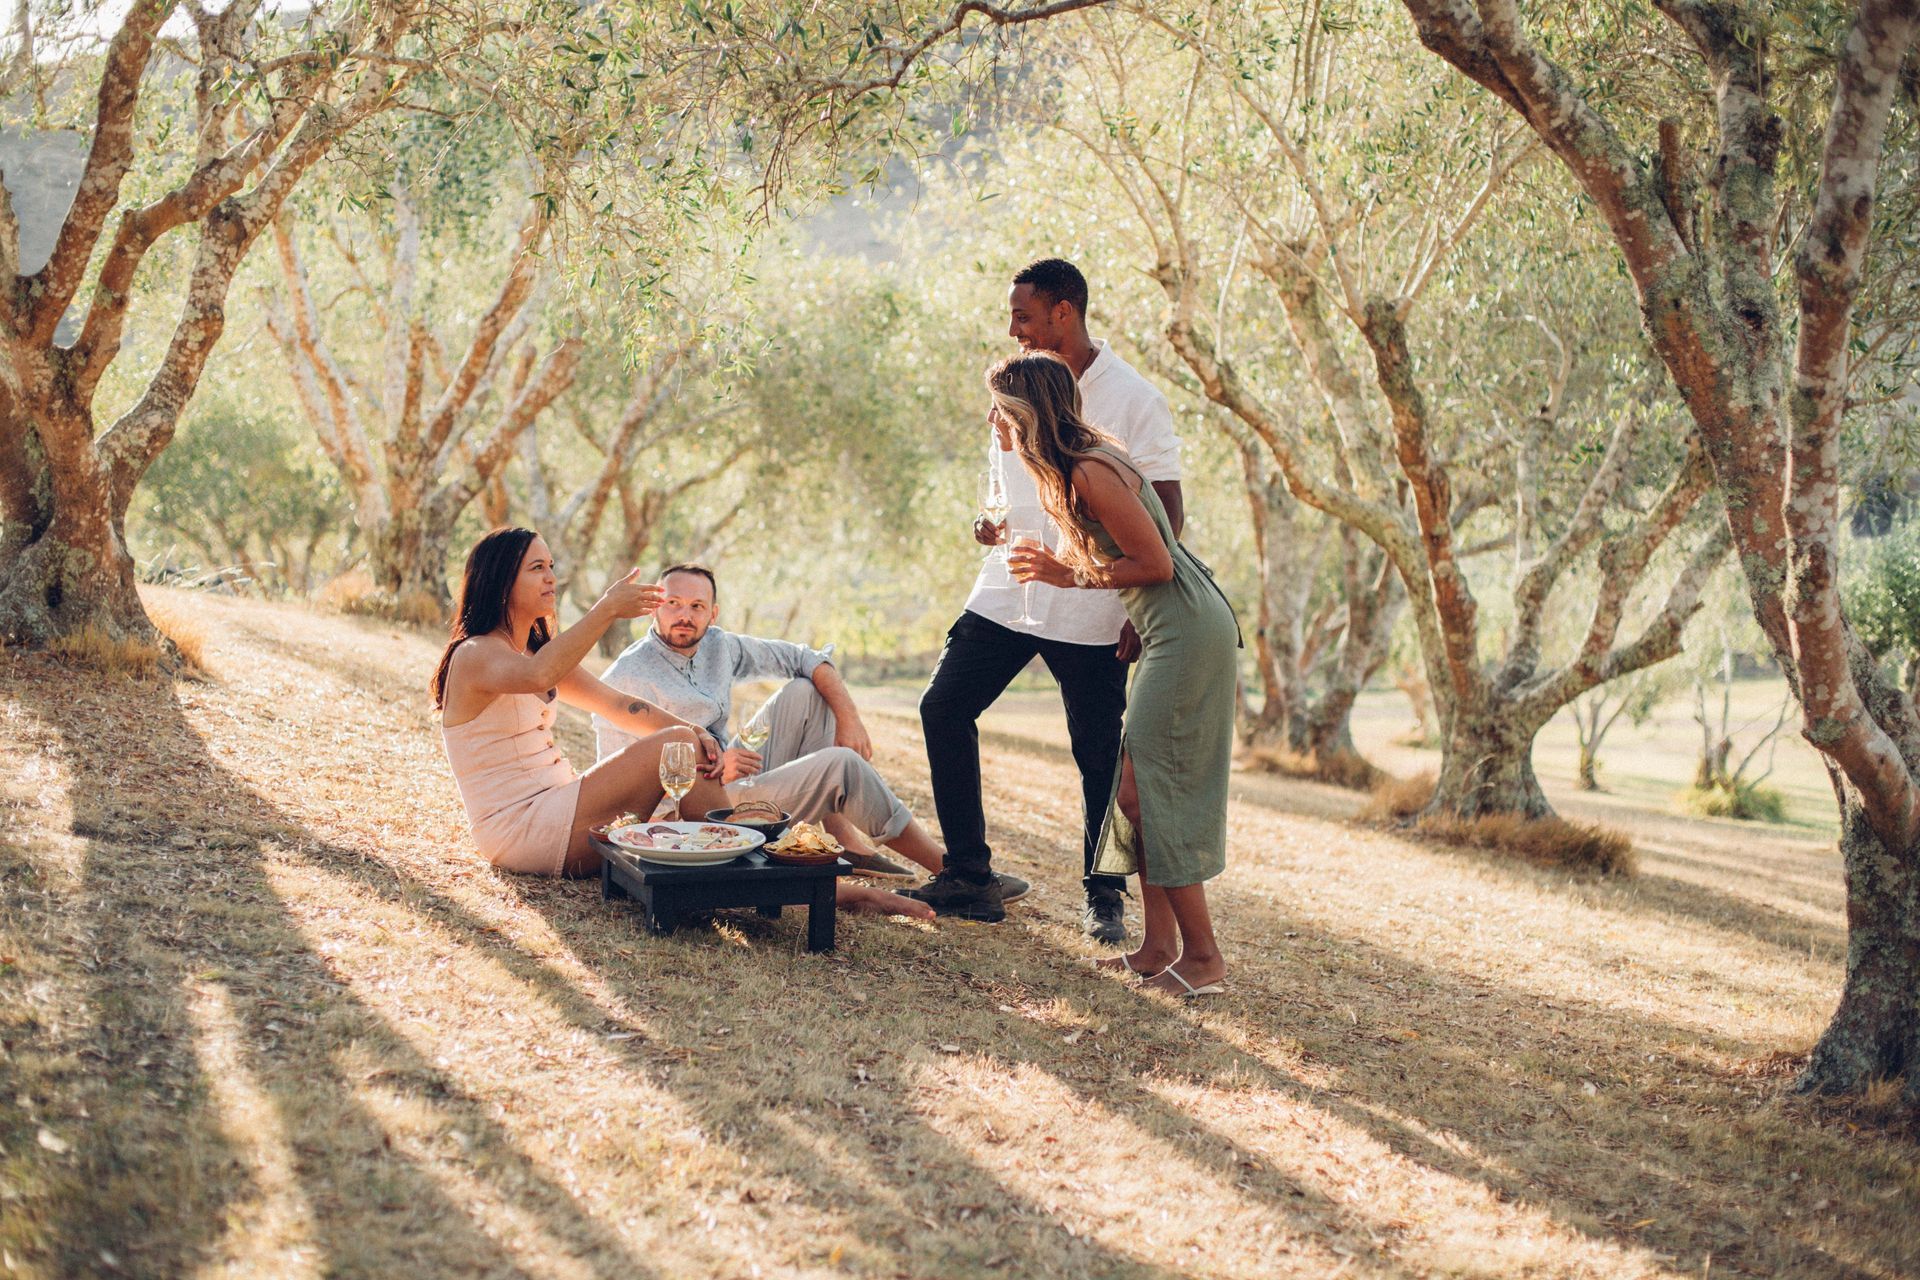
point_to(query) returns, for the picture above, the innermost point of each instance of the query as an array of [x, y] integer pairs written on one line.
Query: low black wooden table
[[751, 880]]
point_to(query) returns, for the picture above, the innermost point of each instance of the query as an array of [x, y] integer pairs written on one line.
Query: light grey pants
[[809, 777], [802, 724]]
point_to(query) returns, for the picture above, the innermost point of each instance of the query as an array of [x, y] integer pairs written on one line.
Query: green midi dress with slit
[[1180, 708]]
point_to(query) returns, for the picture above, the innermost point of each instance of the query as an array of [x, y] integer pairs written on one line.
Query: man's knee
[[843, 762], [940, 708], [801, 692]]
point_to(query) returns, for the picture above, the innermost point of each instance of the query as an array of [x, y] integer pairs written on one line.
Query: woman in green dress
[[1169, 816]]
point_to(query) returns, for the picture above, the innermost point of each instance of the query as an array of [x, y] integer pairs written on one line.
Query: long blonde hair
[[1038, 397]]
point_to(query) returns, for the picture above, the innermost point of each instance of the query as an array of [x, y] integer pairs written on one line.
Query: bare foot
[[1196, 973], [1141, 962], [867, 900]]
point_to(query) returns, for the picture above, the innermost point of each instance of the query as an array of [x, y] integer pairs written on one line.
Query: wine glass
[[993, 507], [1029, 531], [676, 772], [755, 732]]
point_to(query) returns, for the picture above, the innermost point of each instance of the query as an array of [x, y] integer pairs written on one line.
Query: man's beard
[[673, 640]]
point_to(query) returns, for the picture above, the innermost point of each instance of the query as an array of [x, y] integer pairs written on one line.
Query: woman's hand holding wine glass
[[991, 528], [1031, 562], [1029, 539]]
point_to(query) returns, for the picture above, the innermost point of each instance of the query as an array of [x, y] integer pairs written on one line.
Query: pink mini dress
[[519, 790]]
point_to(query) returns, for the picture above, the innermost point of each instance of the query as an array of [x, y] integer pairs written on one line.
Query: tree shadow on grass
[[1675, 1159], [1650, 893], [1625, 1166], [170, 937], [1682, 1148], [179, 913], [162, 926], [919, 1202]]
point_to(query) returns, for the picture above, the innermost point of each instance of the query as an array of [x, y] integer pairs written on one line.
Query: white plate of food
[[685, 844]]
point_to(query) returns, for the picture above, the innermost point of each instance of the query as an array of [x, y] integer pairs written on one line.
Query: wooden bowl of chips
[[806, 844], [770, 827]]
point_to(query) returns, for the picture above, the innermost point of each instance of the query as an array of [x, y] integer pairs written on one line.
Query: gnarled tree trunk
[[1486, 766], [64, 566], [1875, 1033], [1484, 707], [64, 485], [1767, 397], [1313, 655], [436, 455]]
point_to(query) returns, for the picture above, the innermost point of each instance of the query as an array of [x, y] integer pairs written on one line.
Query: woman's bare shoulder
[[1103, 471], [475, 655], [467, 691], [476, 646]]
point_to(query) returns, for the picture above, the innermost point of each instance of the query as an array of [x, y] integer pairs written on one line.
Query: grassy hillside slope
[[263, 1013]]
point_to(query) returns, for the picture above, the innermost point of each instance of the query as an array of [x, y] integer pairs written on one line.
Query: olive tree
[[1747, 282], [216, 129], [1293, 179], [438, 403], [261, 100]]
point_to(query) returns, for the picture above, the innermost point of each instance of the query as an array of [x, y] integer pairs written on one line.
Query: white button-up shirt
[[1116, 399]]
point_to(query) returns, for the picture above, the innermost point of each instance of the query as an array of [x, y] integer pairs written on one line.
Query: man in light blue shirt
[[815, 763], [689, 666]]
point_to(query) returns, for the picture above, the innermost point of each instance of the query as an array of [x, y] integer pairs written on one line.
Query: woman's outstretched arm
[[627, 712], [491, 666]]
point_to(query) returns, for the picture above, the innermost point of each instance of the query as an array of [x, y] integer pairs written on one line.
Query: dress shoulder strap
[[1124, 465]]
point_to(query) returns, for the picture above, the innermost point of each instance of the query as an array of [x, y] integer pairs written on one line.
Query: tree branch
[[1537, 579], [1828, 269], [1623, 563], [226, 233], [1452, 595], [334, 412], [109, 157], [485, 345], [1489, 47], [905, 56], [555, 375]]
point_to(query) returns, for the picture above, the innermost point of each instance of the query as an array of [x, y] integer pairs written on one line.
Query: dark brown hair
[[697, 569], [485, 588], [1037, 396]]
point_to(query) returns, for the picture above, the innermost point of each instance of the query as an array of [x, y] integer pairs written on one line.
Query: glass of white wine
[[1029, 532], [676, 772], [993, 509], [755, 732]]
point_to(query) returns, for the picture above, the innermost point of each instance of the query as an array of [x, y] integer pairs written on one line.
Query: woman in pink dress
[[505, 668]]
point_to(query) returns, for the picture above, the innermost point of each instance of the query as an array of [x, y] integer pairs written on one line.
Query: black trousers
[[980, 660]]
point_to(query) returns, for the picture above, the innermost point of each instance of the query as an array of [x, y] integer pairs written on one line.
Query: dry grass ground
[[263, 1014], [1643, 768], [1549, 841]]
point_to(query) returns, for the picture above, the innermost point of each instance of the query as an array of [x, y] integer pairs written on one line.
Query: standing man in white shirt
[[1083, 636]]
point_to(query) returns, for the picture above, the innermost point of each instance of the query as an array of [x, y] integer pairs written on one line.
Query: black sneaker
[[1104, 918], [1012, 888], [949, 895], [877, 866]]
